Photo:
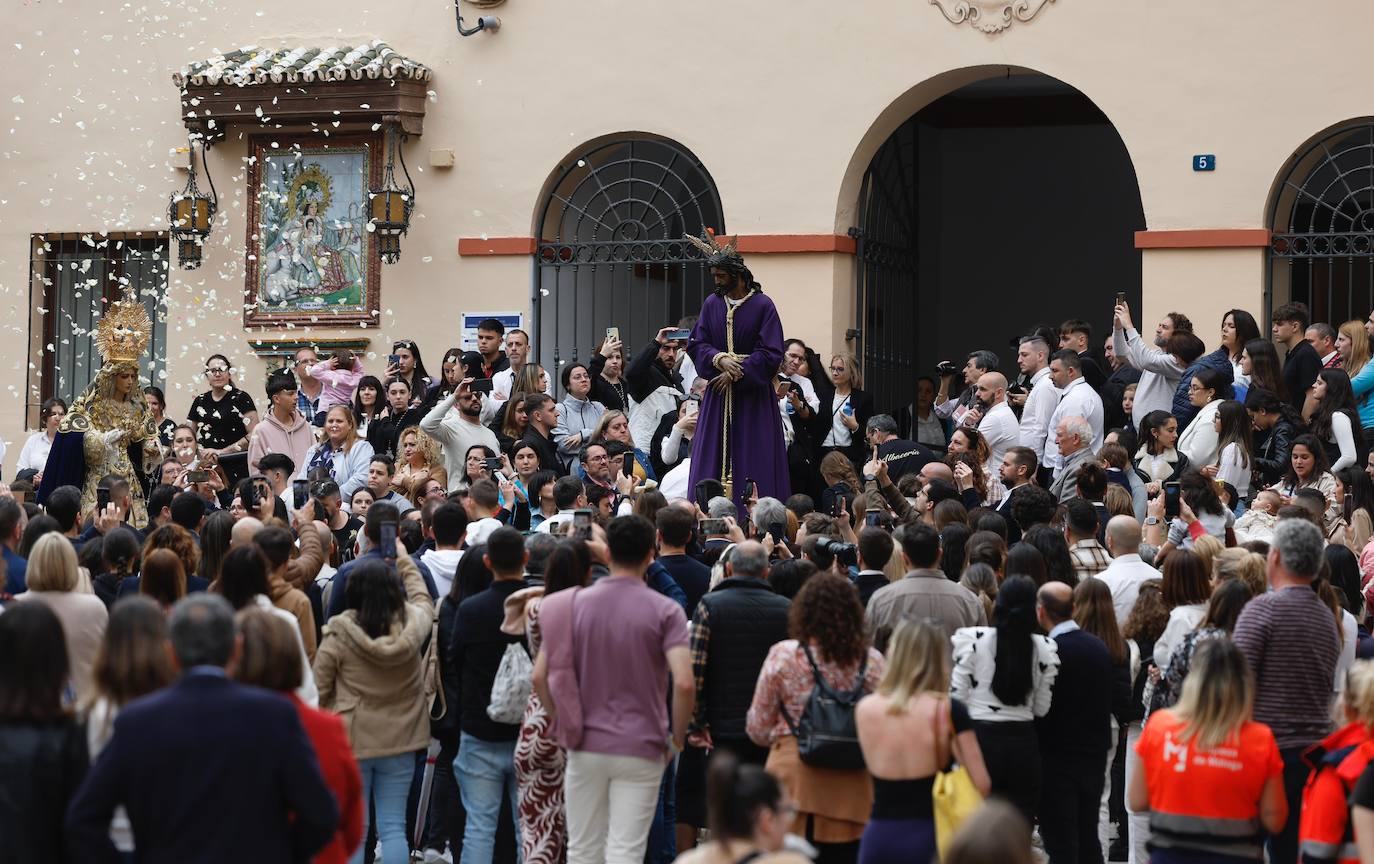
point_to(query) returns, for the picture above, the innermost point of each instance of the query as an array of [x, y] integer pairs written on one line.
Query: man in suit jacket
[[1075, 734], [209, 770]]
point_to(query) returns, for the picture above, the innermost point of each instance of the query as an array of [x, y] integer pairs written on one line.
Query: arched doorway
[[1006, 203], [610, 251], [1322, 247]]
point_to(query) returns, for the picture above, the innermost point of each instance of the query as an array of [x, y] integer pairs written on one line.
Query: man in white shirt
[[517, 349], [1077, 400], [482, 505], [458, 430], [448, 526], [1127, 572], [1033, 357], [994, 416], [569, 495]]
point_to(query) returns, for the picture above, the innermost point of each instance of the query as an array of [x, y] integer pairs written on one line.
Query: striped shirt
[[1292, 643]]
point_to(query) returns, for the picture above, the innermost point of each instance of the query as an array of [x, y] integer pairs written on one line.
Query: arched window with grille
[[1322, 221], [610, 251]]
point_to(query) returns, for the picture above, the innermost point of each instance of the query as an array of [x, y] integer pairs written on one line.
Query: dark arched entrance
[[610, 250], [1007, 203], [1322, 249]]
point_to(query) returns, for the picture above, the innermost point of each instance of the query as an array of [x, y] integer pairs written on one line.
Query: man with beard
[[1160, 366], [737, 344], [458, 430]]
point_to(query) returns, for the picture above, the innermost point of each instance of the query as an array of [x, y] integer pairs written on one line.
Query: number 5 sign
[[1205, 162]]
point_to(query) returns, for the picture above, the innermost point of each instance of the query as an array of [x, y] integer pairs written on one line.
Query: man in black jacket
[[542, 414], [735, 625], [653, 382], [1075, 735], [184, 757], [485, 767]]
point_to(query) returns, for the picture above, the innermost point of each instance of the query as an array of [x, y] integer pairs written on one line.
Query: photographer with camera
[[978, 364], [924, 593]]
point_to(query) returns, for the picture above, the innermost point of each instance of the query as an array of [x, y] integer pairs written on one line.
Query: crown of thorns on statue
[[725, 257]]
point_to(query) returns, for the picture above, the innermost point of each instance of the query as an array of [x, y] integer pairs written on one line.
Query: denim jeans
[[386, 781], [486, 774]]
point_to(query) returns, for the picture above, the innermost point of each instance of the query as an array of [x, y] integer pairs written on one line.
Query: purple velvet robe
[[757, 451]]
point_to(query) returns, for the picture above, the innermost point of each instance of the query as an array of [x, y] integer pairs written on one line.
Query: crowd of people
[[1097, 606]]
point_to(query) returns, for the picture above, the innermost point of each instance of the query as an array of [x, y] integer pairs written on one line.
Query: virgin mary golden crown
[[123, 332]]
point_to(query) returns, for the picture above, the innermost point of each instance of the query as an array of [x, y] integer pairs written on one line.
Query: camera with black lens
[[946, 368], [846, 553]]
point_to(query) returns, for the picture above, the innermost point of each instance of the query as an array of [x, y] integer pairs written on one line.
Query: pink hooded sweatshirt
[[273, 436]]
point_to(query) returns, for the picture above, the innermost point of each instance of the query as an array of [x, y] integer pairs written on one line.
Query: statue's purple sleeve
[[762, 363]]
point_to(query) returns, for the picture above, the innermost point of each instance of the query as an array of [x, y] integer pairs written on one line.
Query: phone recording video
[[481, 385], [387, 541], [102, 498], [300, 491], [714, 527], [1172, 492], [582, 524]]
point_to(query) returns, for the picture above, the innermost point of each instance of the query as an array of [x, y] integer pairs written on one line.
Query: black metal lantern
[[389, 204], [192, 213]]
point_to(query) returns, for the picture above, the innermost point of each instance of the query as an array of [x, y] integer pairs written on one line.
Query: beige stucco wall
[[784, 102]]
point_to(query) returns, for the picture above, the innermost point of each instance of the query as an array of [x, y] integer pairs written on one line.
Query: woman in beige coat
[[370, 671], [54, 581]]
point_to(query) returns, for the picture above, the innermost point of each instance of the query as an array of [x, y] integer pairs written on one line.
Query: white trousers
[[1139, 819], [610, 802]]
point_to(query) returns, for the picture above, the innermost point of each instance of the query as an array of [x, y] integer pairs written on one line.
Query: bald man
[[993, 416], [243, 531], [1127, 572], [1076, 733]]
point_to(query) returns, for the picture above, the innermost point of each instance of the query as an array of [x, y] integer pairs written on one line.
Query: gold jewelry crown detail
[[124, 331]]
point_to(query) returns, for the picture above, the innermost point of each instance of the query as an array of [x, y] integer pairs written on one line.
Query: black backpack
[[826, 734]]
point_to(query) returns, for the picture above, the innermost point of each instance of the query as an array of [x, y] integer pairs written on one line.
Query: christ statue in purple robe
[[737, 345]]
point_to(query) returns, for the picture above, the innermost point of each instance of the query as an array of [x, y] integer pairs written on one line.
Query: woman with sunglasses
[[224, 416]]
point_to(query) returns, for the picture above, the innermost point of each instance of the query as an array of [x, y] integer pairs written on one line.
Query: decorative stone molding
[[990, 16]]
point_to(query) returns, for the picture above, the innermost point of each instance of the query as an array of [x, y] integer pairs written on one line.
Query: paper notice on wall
[[511, 320]]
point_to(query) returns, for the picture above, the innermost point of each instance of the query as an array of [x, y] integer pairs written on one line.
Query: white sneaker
[[434, 855]]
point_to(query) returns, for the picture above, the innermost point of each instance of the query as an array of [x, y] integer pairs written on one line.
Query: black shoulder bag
[[826, 733]]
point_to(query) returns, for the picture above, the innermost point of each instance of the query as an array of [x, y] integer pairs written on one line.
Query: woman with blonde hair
[[840, 480], [1208, 547], [1352, 341], [613, 430], [53, 581], [1326, 816], [838, 426], [420, 460], [340, 455], [1211, 777], [907, 729], [1241, 565]]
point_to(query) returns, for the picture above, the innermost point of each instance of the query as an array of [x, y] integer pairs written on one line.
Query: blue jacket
[[209, 770], [16, 572], [1183, 409], [339, 583], [1363, 385]]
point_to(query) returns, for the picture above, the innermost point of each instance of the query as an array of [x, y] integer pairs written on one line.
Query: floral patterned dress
[[539, 767]]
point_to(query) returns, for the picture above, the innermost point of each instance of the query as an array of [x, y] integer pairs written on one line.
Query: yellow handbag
[[953, 796]]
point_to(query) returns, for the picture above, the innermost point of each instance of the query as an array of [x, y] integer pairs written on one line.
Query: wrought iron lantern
[[389, 204], [191, 213]]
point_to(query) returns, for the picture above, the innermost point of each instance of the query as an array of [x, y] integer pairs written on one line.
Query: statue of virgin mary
[[108, 429]]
